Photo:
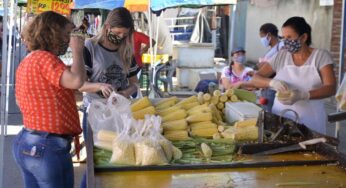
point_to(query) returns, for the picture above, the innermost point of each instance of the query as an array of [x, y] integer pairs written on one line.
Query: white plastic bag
[[341, 96], [119, 104]]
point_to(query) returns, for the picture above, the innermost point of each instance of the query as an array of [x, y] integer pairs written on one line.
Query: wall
[[319, 18]]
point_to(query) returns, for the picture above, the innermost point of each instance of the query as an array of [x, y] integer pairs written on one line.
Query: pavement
[[13, 178]]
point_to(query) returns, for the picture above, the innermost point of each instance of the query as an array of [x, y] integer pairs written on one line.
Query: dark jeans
[[269, 94], [44, 159]]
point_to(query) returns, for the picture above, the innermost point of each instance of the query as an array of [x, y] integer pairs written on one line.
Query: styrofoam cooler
[[199, 55], [189, 77], [239, 111]]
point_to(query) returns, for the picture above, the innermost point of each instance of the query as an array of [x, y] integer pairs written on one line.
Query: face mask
[[63, 48], [292, 46], [239, 59], [113, 38], [265, 41]]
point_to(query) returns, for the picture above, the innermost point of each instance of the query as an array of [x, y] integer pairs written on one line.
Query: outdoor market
[[172, 93]]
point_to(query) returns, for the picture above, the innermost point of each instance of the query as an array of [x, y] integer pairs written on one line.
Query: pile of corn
[[142, 107], [242, 131]]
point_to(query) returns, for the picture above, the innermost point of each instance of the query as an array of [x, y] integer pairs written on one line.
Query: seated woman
[[236, 74]]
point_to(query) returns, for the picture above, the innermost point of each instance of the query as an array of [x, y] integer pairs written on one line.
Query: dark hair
[[299, 25], [269, 28], [44, 31]]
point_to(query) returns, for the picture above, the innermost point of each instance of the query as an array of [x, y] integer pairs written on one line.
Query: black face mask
[[63, 48], [113, 38]]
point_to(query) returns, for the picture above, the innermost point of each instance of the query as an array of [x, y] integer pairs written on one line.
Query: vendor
[[304, 72], [236, 75]]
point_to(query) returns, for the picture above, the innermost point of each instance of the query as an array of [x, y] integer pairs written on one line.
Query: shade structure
[[132, 5], [157, 5]]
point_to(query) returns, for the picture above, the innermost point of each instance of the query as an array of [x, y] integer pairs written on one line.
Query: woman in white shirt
[[304, 73]]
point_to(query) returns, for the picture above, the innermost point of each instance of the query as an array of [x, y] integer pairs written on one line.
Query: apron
[[305, 78]]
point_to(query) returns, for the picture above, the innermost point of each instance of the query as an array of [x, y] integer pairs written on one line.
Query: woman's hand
[[106, 89]]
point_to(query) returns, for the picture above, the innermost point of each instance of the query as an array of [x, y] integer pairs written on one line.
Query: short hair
[[269, 28], [300, 26], [44, 31]]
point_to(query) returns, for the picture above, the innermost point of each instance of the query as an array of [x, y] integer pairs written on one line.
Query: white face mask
[[265, 41]]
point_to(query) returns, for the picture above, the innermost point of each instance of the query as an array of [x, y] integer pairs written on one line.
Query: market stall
[[236, 156]]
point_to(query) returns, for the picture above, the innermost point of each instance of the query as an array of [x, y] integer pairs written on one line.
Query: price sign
[[59, 6]]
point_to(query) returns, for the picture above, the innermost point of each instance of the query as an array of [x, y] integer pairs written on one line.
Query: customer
[[44, 92], [269, 38], [141, 44], [306, 72], [236, 74]]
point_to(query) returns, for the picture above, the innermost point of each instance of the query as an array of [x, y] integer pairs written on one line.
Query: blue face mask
[[265, 41], [239, 59]]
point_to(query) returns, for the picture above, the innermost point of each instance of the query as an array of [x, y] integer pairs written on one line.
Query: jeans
[[85, 133], [269, 94], [44, 159]]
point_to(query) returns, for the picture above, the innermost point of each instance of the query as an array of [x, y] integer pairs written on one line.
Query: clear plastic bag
[[341, 96]]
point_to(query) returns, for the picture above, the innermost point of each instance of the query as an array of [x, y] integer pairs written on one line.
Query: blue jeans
[[44, 159], [85, 133], [269, 94]]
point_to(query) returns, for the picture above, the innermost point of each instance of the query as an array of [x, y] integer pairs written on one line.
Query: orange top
[[45, 104]]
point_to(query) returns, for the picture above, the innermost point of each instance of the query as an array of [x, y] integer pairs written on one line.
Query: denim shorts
[[44, 159]]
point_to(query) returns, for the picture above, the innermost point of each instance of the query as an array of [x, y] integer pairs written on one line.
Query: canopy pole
[[232, 29], [3, 112], [341, 57]]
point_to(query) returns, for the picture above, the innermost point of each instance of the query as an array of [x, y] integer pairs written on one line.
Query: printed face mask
[[63, 48], [239, 59], [265, 41], [113, 38], [292, 46]]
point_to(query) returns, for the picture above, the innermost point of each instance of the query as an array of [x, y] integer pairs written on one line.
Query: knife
[[295, 147]]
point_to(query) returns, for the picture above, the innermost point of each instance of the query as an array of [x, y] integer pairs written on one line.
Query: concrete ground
[[13, 178]]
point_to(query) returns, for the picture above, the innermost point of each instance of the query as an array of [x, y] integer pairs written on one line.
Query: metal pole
[[341, 57], [3, 92], [232, 29]]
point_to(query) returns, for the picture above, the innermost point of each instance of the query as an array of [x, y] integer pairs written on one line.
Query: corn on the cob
[[177, 115], [206, 150], [202, 125], [176, 135], [223, 98], [214, 100], [174, 98], [175, 125], [193, 98], [229, 92], [217, 93], [205, 133], [245, 123], [140, 104], [216, 136], [247, 133], [177, 154], [106, 135], [197, 107], [200, 97], [206, 97], [140, 114], [165, 105], [220, 105], [167, 147], [198, 117], [234, 98], [215, 112], [190, 105], [200, 110], [220, 128], [168, 111]]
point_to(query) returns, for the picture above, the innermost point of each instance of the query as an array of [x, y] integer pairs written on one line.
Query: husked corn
[[177, 115], [176, 135], [200, 97], [205, 133], [203, 125], [140, 114], [198, 117], [175, 125], [174, 98], [206, 97], [168, 111], [140, 104]]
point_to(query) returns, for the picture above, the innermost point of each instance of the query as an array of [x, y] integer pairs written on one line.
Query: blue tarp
[[101, 4], [157, 5]]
